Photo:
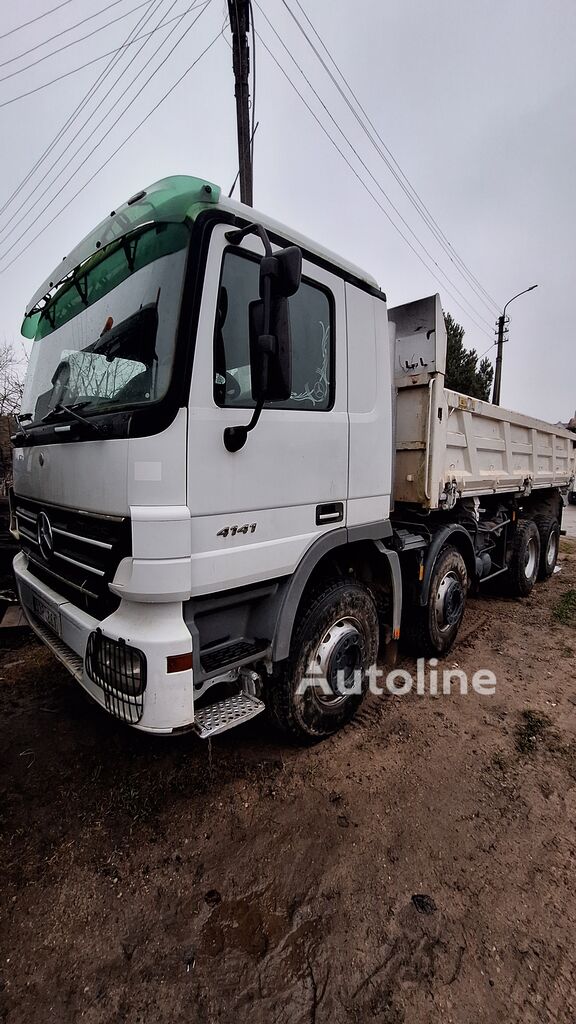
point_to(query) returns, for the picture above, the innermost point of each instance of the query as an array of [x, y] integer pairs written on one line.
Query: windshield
[[105, 339]]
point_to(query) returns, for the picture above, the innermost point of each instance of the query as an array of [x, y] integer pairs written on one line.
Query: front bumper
[[158, 630]]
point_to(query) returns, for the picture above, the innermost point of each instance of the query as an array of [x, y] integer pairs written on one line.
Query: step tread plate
[[231, 653], [225, 714]]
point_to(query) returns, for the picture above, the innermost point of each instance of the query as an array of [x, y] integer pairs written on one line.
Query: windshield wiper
[[59, 410]]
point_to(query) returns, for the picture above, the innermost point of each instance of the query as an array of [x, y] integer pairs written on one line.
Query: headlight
[[120, 671]]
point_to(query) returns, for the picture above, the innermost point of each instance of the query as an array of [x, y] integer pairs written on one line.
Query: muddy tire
[[549, 530], [525, 562], [336, 634], [431, 630]]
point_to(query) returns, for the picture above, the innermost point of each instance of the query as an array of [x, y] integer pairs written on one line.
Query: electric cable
[[114, 153], [392, 163], [361, 180], [377, 183], [82, 67], [117, 55], [73, 42], [9, 229], [97, 144], [38, 17]]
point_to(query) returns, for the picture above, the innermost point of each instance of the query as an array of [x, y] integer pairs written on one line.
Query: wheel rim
[[530, 558], [340, 650], [551, 550], [449, 602]]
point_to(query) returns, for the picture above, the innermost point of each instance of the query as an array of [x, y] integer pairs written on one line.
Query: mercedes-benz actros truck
[[236, 468]]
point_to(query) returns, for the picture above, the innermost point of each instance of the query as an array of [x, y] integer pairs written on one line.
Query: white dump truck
[[236, 466]]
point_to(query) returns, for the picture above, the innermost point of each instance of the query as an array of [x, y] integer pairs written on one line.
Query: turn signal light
[[179, 662]]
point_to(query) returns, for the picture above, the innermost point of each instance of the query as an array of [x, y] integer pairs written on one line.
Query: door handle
[[331, 512]]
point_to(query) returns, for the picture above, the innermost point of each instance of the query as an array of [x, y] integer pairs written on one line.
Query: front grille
[[110, 664], [86, 551]]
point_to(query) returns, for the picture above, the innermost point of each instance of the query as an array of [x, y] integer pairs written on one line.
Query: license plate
[[47, 614]]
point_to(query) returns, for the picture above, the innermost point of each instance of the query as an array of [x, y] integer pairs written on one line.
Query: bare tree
[[12, 369]]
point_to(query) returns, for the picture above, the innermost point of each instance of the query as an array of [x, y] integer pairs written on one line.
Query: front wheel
[[322, 684]]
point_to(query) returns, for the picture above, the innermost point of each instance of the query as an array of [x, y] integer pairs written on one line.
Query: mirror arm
[[235, 437], [235, 237]]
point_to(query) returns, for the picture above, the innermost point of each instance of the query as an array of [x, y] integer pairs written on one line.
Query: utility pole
[[498, 371], [239, 14], [502, 321]]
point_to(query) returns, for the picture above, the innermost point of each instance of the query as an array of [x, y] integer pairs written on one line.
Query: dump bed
[[449, 445]]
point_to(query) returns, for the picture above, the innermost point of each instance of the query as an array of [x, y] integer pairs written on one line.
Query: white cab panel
[[107, 477], [370, 408], [294, 460], [88, 475]]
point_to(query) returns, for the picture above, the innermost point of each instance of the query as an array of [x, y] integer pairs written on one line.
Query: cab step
[[213, 719], [230, 654]]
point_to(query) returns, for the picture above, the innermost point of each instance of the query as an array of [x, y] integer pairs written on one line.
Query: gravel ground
[[417, 867]]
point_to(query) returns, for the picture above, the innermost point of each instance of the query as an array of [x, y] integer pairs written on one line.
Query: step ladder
[[213, 719]]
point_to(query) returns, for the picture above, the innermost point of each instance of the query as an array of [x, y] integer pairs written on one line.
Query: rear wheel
[[525, 558], [323, 682], [549, 530], [431, 630]]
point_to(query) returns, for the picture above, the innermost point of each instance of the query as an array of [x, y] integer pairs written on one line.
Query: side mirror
[[289, 270], [270, 354], [269, 319], [269, 327]]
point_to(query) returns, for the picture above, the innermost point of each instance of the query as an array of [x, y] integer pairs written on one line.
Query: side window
[[310, 316]]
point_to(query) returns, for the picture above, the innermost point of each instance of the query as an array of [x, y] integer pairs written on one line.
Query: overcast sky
[[475, 101]]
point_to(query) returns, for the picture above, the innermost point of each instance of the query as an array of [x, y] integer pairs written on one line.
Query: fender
[[462, 541], [294, 587]]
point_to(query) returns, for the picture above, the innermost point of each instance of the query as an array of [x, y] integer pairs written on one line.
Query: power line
[[118, 148], [392, 164], [86, 64], [485, 352], [117, 54], [9, 229], [62, 32], [97, 144], [374, 179], [73, 42], [407, 187], [357, 175], [32, 20], [377, 183]]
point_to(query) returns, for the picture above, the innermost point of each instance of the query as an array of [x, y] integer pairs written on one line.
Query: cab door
[[256, 511]]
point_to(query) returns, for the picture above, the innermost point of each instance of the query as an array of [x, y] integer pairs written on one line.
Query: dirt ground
[[149, 880]]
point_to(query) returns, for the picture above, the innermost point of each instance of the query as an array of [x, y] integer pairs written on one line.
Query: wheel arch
[[357, 549], [461, 540]]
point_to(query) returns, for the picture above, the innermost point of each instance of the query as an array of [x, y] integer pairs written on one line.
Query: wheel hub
[[338, 657], [551, 550], [449, 601], [531, 558]]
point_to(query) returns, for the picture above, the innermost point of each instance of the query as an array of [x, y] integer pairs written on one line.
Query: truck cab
[[166, 549]]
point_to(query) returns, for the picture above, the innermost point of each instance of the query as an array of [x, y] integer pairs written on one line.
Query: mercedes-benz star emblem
[[44, 534]]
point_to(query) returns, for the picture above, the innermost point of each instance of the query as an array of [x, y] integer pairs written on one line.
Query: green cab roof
[[174, 199]]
